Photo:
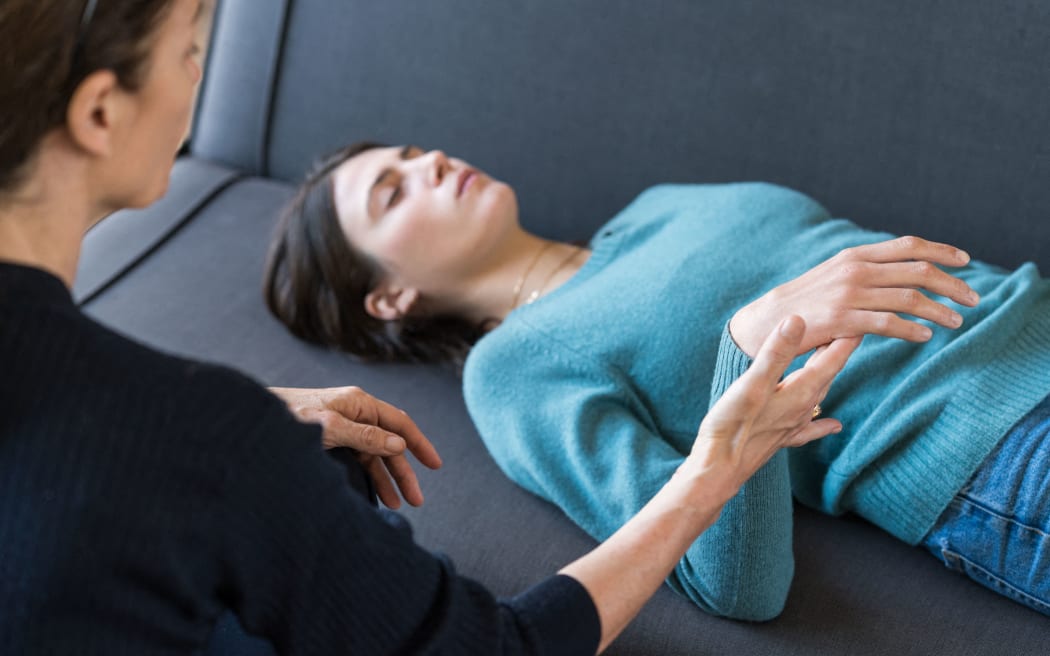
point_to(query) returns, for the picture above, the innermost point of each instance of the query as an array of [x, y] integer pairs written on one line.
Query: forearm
[[627, 569]]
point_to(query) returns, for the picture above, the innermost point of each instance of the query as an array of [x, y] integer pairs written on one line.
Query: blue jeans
[[997, 528]]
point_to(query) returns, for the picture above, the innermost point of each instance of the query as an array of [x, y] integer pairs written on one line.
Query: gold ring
[[816, 411]]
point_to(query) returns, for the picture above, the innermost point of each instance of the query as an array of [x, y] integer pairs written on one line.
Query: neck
[[42, 223], [537, 265]]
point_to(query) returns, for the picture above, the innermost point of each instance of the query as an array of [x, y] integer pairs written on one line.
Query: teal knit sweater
[[591, 397]]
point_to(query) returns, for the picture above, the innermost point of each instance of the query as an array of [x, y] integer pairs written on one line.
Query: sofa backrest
[[917, 117]]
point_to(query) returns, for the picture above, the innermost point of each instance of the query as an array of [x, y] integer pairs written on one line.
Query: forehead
[[183, 16], [353, 179], [185, 13]]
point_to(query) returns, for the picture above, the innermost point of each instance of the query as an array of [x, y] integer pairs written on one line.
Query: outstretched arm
[[757, 416], [575, 431]]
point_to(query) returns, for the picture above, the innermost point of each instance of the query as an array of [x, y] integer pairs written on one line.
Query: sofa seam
[[275, 78], [166, 236]]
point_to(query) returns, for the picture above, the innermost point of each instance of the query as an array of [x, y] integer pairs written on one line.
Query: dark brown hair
[[47, 53], [315, 283]]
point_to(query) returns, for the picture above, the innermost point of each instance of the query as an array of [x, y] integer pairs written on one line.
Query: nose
[[438, 167]]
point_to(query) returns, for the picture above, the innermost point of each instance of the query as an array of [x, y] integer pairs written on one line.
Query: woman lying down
[[587, 368]]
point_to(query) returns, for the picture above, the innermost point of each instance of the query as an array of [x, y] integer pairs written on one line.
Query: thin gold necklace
[[521, 279], [550, 276]]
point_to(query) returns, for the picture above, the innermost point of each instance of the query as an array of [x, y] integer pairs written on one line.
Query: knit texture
[[142, 495], [592, 396]]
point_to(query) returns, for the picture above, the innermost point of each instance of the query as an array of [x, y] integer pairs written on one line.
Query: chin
[[150, 195], [504, 200]]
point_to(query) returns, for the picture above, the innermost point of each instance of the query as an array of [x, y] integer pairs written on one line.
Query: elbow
[[757, 608], [750, 601]]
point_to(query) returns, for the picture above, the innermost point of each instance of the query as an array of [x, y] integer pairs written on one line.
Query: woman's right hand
[[761, 413], [757, 415], [861, 291]]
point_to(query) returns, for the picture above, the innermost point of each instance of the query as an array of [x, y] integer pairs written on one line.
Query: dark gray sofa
[[924, 117]]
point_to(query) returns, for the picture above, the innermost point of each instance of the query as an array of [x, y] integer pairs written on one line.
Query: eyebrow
[[383, 175]]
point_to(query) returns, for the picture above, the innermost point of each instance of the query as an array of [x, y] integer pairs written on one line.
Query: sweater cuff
[[560, 613], [730, 364]]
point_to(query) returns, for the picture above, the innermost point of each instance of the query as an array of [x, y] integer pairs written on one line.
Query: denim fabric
[[997, 528]]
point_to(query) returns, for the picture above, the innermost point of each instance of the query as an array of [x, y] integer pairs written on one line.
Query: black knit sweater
[[142, 495]]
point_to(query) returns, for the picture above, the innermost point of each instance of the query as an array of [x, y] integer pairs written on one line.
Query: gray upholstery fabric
[[906, 116], [926, 117], [233, 121], [857, 590], [115, 245]]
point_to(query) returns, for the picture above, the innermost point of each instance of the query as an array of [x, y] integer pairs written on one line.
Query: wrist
[[740, 330], [703, 483]]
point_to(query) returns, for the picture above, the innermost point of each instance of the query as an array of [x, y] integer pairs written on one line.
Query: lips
[[466, 178]]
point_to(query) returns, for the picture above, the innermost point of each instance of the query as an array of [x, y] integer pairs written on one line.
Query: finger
[[396, 420], [924, 275], [384, 486], [884, 324], [832, 359], [340, 431], [777, 351], [401, 471], [911, 248], [821, 368], [815, 430], [913, 302], [809, 386]]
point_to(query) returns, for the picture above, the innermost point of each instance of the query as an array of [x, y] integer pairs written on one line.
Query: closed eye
[[387, 177], [394, 197], [408, 152]]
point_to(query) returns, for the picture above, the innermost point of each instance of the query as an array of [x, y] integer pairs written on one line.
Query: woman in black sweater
[[143, 495]]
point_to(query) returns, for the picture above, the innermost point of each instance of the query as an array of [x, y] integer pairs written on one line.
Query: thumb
[[779, 349]]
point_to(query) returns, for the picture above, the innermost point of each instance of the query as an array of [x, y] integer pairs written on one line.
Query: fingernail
[[394, 443], [974, 297], [925, 333], [956, 319], [791, 327], [962, 256], [838, 429]]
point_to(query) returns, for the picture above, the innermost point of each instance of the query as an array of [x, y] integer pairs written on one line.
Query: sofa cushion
[[856, 590]]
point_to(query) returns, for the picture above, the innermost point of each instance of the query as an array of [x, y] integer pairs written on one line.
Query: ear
[[97, 106], [389, 302]]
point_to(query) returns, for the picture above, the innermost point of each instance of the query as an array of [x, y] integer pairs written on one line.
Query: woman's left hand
[[862, 291], [376, 430], [764, 411]]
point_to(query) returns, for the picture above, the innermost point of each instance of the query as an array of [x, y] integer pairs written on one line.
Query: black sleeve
[[311, 565]]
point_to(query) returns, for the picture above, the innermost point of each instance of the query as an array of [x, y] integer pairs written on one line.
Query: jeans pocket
[[975, 572]]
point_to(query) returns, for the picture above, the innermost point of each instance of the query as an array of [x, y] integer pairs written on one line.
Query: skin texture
[[444, 248], [381, 433], [861, 291]]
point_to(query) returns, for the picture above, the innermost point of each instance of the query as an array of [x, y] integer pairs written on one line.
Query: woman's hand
[[757, 415], [760, 413], [861, 291], [376, 430]]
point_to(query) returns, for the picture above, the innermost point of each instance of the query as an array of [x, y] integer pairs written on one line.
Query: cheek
[[178, 98], [406, 237]]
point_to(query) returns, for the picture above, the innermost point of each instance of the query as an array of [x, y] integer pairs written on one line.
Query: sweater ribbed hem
[[730, 364], [918, 480]]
